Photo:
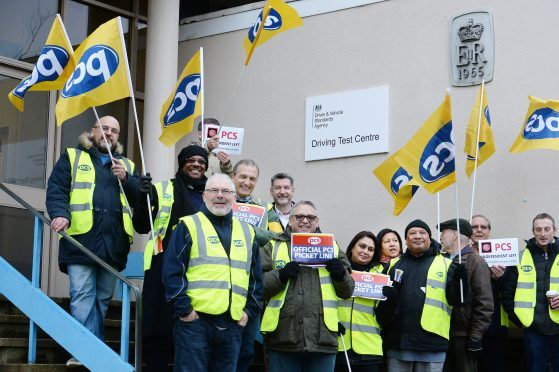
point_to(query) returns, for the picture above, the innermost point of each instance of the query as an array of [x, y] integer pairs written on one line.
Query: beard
[[101, 146]]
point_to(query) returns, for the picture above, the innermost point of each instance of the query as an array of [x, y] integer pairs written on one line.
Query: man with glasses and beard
[[170, 200], [210, 272], [85, 199], [300, 320]]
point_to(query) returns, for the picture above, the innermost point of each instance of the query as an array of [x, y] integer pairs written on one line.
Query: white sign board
[[230, 138], [500, 251], [347, 124]]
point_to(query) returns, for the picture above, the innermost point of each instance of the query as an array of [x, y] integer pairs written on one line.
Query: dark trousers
[[247, 344], [201, 346], [493, 356], [540, 350], [458, 359], [301, 362]]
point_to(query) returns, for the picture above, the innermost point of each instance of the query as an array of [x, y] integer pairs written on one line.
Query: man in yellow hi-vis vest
[[212, 273], [300, 320], [531, 295], [416, 327], [84, 198]]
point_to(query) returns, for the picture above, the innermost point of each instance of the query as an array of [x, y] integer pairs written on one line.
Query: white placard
[[500, 251], [230, 138], [347, 124]]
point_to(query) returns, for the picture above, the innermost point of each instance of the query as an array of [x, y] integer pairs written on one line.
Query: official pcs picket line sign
[[312, 249], [249, 213], [230, 138], [369, 285], [500, 251]]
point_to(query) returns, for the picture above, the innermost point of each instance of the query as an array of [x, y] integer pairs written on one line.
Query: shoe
[[73, 362]]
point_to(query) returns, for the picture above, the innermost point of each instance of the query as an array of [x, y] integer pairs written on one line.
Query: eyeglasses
[[225, 192], [309, 217], [193, 161], [480, 227], [107, 129]]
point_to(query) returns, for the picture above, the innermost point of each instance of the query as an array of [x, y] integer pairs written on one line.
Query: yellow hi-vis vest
[[280, 254], [525, 295], [435, 316], [274, 226], [217, 283], [166, 198], [81, 193], [358, 317]]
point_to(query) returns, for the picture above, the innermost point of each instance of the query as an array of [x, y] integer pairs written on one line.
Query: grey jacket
[[301, 326]]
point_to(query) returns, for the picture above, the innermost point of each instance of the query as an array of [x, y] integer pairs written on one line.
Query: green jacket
[[301, 325]]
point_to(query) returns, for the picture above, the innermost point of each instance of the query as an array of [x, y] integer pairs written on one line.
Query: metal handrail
[[103, 264]]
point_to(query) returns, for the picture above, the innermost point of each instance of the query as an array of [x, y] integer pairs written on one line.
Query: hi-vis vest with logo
[[216, 282], [280, 254], [525, 295], [357, 315], [166, 198], [81, 193], [435, 316]]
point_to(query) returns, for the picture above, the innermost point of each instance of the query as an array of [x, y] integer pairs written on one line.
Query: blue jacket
[[107, 238], [177, 257]]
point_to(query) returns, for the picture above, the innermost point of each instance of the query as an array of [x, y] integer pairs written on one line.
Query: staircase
[[14, 333]]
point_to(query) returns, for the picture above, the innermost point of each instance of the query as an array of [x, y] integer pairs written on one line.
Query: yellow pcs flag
[[101, 74], [397, 182], [184, 105], [541, 127], [429, 157], [486, 145], [53, 67], [281, 17]]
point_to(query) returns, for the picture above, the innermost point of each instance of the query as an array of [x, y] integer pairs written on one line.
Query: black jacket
[[401, 321], [107, 238], [542, 322]]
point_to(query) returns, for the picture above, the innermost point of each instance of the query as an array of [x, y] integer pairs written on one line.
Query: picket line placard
[[230, 138], [369, 285], [312, 249], [249, 213], [500, 251]]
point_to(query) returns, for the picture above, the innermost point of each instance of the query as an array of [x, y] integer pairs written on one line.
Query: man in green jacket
[[300, 320]]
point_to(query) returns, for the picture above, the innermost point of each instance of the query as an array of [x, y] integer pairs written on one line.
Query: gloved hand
[[145, 184], [336, 269], [392, 294], [289, 271], [475, 347], [341, 329]]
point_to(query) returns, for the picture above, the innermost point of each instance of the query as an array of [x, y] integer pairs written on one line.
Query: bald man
[[85, 200]]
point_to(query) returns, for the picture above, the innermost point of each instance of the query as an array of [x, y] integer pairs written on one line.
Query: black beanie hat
[[417, 223], [190, 151]]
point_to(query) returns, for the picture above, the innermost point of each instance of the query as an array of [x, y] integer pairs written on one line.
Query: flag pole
[[137, 125], [477, 147], [438, 214], [458, 240], [265, 14]]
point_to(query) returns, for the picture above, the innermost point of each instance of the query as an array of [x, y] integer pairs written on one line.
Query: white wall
[[403, 44]]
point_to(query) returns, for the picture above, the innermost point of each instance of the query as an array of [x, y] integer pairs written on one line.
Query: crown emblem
[[471, 31]]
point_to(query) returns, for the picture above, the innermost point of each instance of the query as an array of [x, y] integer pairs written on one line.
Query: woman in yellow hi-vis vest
[[362, 337]]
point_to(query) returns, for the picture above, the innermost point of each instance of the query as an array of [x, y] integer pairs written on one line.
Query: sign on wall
[[471, 48], [347, 124]]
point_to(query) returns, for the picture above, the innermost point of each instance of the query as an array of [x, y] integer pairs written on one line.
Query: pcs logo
[[273, 22], [399, 179], [84, 168], [526, 268], [437, 160], [97, 64], [49, 66], [543, 123], [280, 264], [314, 240], [184, 102], [238, 243], [213, 239]]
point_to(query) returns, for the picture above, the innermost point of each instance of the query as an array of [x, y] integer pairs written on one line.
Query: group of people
[[213, 284]]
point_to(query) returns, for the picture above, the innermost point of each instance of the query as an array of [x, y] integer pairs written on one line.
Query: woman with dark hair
[[362, 333], [390, 245]]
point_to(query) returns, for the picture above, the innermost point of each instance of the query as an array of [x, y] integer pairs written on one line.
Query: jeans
[[397, 365], [540, 350], [280, 361], [247, 344], [201, 346], [91, 290]]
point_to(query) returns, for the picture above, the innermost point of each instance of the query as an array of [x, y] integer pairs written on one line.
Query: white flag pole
[[458, 240], [477, 148]]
